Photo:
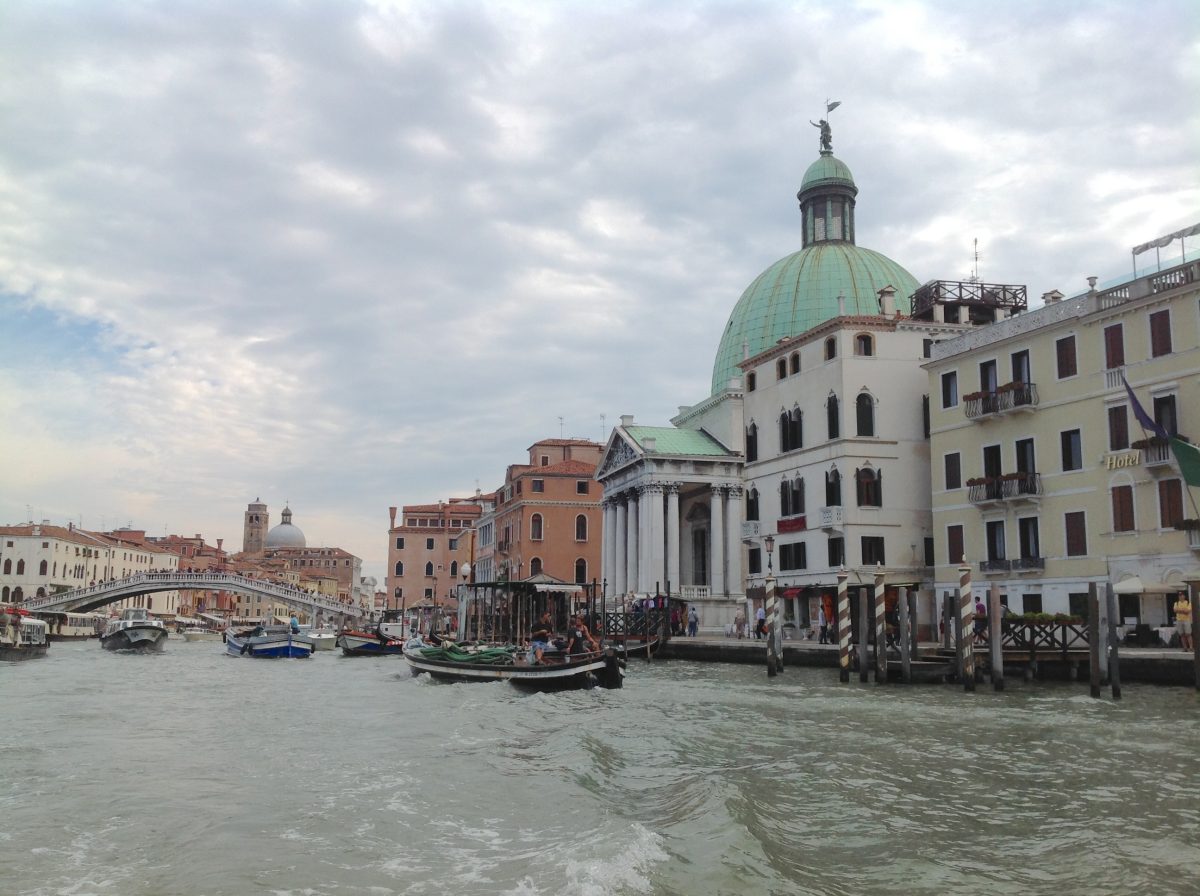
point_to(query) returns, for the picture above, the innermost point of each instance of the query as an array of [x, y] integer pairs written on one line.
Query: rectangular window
[[953, 472], [995, 540], [1077, 604], [1072, 450], [1026, 459], [1065, 352], [1114, 347], [1118, 429], [950, 389], [539, 485], [1170, 502], [929, 559], [1027, 532], [872, 550], [954, 545], [1021, 372], [429, 544], [1122, 508], [400, 543], [581, 486], [988, 380], [793, 556], [1075, 524], [1160, 333], [755, 561], [926, 348], [1031, 603], [837, 552], [1164, 413]]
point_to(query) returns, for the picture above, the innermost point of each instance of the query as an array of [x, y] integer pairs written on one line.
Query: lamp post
[[396, 603], [770, 543]]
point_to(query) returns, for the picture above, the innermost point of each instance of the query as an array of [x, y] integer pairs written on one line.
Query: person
[[676, 621], [540, 637], [891, 623], [822, 626], [579, 639], [693, 622], [826, 134], [739, 624], [295, 624], [1183, 620], [760, 623], [981, 620]]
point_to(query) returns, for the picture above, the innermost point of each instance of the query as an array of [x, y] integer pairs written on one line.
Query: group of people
[[579, 639], [684, 623]]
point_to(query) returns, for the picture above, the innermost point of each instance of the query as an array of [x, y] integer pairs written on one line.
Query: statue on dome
[[826, 134]]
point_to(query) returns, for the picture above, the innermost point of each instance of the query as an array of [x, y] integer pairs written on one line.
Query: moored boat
[[64, 626], [322, 639], [385, 639], [135, 630], [22, 637], [274, 641]]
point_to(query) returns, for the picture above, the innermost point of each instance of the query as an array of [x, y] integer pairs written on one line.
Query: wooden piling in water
[[864, 637], [772, 667], [879, 597], [1095, 645], [1114, 648], [906, 620], [843, 627], [966, 615], [948, 614], [996, 637]]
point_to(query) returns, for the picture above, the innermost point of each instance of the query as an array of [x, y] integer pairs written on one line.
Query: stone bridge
[[98, 595]]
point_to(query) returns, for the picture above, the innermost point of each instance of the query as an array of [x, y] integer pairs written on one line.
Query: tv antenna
[[974, 278], [560, 427], [603, 429]]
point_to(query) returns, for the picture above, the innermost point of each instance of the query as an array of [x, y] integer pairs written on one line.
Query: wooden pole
[[1193, 591], [880, 600], [996, 637], [947, 619], [914, 622], [1094, 643], [904, 638], [864, 636], [1114, 649], [966, 614], [772, 667], [1102, 607], [843, 627]]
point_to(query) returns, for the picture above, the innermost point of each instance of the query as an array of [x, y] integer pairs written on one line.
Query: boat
[[72, 626], [202, 634], [22, 637], [134, 629], [385, 639], [322, 638], [271, 641], [556, 671]]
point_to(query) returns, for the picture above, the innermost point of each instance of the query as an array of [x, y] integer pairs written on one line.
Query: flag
[[829, 107], [1187, 456], [1143, 418]]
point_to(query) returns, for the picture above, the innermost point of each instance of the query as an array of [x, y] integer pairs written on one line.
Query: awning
[[556, 589], [1135, 585]]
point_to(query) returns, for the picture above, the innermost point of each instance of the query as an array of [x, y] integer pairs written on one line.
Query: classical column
[[631, 542], [645, 577], [656, 555], [733, 540], [716, 548], [606, 546], [620, 579], [673, 536]]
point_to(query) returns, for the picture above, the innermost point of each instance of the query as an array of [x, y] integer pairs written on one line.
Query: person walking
[[693, 622], [822, 626]]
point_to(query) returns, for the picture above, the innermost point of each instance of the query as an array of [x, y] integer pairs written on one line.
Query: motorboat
[[271, 641], [384, 639], [22, 637], [134, 629], [322, 638]]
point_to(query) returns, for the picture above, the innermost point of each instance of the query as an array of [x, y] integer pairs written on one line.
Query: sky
[[348, 255]]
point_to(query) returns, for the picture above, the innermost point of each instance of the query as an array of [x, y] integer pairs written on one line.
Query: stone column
[[631, 542], [716, 538], [733, 540], [620, 579], [673, 537], [606, 546], [645, 578], [656, 555]]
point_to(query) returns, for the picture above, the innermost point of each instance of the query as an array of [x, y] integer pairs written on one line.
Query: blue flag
[[1143, 418]]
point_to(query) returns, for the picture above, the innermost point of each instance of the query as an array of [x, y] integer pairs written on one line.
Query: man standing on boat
[[540, 636]]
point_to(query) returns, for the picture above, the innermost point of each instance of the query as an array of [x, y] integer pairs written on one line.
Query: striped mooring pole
[[773, 663], [880, 598], [843, 625], [966, 613]]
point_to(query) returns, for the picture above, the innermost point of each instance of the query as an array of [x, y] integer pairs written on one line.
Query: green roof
[[669, 440], [800, 292], [825, 169]]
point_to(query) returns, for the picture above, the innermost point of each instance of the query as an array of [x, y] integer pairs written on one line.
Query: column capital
[[735, 491], [651, 488], [673, 488], [717, 491]]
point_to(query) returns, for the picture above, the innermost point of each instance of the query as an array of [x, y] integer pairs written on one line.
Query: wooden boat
[[385, 639], [272, 641], [457, 662], [22, 637], [134, 630]]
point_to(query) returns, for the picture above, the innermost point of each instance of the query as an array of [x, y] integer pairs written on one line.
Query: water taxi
[[22, 637], [136, 630]]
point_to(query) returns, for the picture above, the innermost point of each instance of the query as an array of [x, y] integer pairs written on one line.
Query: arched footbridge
[[102, 593]]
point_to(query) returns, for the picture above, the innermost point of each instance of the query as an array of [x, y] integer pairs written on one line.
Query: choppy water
[[197, 774]]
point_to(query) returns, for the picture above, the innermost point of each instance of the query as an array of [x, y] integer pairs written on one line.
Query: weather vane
[[823, 124]]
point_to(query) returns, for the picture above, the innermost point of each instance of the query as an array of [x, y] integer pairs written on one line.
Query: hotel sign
[[1121, 461]]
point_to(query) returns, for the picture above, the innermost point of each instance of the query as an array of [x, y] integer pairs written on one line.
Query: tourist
[[675, 621], [981, 620], [1183, 620], [822, 626], [693, 624], [739, 624], [760, 623], [540, 636]]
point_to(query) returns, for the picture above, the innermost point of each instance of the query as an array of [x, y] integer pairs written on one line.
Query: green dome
[[825, 170], [801, 291]]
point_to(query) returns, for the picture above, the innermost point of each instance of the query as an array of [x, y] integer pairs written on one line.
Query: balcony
[[1114, 377], [830, 517], [1192, 528], [1015, 487], [994, 567], [1028, 564], [1009, 398], [694, 592], [1156, 452]]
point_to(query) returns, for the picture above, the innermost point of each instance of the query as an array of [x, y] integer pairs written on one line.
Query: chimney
[[627, 419], [1052, 297], [220, 541], [392, 515], [939, 313], [887, 301], [650, 444]]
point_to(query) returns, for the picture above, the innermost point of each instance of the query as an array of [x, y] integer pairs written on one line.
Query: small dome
[[285, 535], [826, 170]]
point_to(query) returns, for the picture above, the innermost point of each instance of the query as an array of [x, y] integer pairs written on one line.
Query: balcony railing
[[1007, 487], [1007, 398], [694, 592], [1156, 451], [830, 517], [993, 566], [1114, 377], [1028, 564]]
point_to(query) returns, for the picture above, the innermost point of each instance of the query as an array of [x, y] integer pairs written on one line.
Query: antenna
[[975, 268], [603, 428], [560, 427]]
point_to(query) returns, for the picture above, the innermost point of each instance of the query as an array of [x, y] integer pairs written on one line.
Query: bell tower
[[254, 530]]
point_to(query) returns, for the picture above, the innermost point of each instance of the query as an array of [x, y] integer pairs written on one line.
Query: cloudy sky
[[352, 254]]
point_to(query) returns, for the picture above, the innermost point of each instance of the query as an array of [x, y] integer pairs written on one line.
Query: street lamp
[[770, 543]]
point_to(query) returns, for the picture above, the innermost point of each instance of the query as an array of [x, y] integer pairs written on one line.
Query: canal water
[[191, 773]]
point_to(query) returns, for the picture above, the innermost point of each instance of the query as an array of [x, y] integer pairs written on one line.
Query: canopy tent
[[1135, 585]]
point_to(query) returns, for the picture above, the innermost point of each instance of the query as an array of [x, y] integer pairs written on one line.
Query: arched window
[[830, 349], [796, 428], [8, 567], [781, 368], [864, 345], [785, 420], [752, 504], [42, 567], [581, 527], [429, 569], [580, 571], [868, 486], [20, 567], [794, 362], [864, 410], [535, 566], [4, 594], [833, 488], [791, 497], [535, 527], [454, 569], [751, 382], [831, 413], [785, 498], [399, 567], [797, 495], [751, 443]]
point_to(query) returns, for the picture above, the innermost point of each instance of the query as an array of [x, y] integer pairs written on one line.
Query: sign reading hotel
[[1120, 461]]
